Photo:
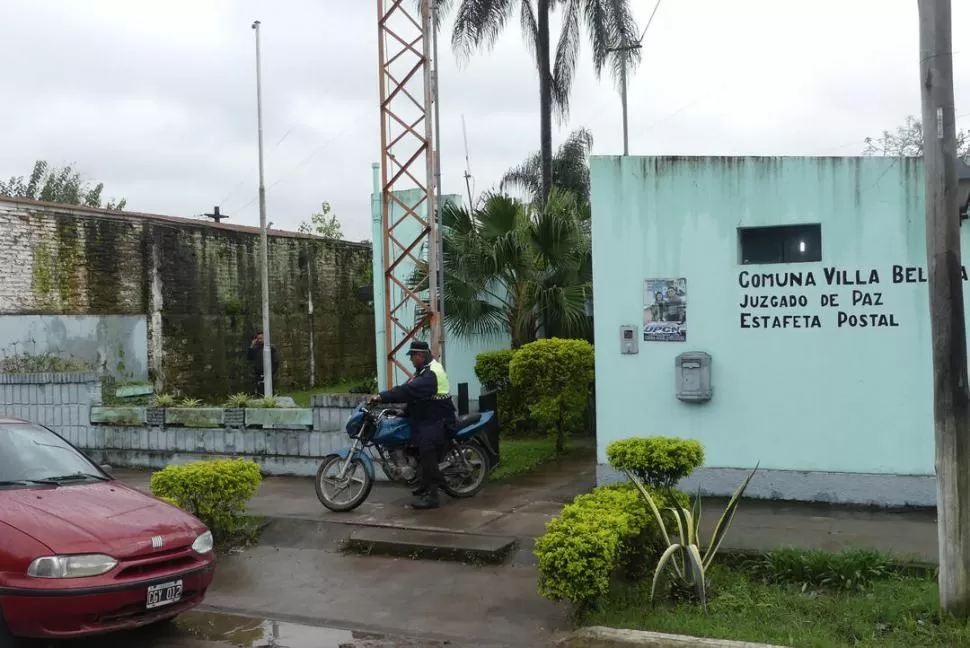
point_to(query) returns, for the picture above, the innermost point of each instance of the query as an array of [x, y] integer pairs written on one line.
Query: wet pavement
[[520, 507], [300, 573], [215, 630]]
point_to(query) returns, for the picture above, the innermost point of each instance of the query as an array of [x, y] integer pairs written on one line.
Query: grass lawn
[[901, 612], [302, 398], [520, 456]]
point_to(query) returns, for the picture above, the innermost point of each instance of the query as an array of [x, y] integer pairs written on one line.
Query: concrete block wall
[[278, 452], [60, 401], [331, 411]]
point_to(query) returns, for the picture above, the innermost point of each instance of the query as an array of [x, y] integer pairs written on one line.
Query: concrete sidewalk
[[522, 507], [517, 508]]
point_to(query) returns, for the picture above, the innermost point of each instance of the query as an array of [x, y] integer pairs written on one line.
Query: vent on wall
[[780, 244]]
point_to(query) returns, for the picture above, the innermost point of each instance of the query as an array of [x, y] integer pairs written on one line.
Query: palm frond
[[479, 22], [530, 30], [567, 55], [570, 169]]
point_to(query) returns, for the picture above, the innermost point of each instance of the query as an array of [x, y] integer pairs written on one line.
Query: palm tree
[[515, 268], [609, 24], [570, 169]]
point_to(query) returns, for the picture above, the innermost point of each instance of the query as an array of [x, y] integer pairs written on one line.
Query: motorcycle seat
[[466, 420]]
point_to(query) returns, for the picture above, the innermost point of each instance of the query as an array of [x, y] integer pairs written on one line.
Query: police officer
[[430, 410]]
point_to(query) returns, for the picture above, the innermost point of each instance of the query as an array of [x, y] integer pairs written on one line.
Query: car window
[[31, 452]]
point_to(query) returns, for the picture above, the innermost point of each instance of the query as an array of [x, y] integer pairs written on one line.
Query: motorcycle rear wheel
[[356, 474], [458, 482]]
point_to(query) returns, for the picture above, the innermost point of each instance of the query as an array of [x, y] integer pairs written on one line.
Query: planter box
[[279, 418], [127, 416], [195, 417]]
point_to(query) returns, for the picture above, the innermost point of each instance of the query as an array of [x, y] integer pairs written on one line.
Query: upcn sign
[[777, 300]]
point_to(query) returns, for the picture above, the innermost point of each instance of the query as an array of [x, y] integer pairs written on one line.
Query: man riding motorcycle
[[430, 409]]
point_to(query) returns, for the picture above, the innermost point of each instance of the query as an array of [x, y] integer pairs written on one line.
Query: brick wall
[[198, 283]]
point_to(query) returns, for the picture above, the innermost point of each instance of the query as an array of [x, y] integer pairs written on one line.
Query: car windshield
[[30, 453]]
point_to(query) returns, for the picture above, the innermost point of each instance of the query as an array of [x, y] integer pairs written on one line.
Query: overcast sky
[[157, 99]]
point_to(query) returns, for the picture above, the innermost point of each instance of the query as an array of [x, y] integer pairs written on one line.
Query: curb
[[602, 637]]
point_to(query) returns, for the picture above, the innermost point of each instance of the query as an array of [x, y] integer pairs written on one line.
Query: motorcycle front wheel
[[467, 472], [345, 494]]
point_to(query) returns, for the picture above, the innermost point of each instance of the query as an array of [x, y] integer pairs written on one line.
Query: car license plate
[[164, 594]]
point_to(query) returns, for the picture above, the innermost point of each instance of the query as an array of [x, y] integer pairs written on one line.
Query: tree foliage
[[323, 224], [516, 268], [58, 185], [570, 169], [907, 141]]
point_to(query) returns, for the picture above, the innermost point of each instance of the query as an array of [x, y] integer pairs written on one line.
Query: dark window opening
[[781, 244]]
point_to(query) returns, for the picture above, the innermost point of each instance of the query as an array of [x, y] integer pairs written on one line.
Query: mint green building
[[803, 281]]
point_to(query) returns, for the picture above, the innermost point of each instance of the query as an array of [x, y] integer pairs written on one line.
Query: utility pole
[[623, 82], [437, 192], [951, 399], [263, 238], [626, 48]]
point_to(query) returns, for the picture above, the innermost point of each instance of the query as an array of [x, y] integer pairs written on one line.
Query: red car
[[82, 553]]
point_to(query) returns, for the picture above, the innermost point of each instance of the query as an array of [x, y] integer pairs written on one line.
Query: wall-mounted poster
[[665, 310]]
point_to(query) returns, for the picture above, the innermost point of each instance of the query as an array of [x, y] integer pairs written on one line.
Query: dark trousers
[[260, 386], [430, 439]]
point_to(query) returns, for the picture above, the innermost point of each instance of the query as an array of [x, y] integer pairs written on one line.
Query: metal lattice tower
[[407, 163]]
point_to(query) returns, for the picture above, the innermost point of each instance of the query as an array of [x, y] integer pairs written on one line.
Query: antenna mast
[[468, 186], [404, 40]]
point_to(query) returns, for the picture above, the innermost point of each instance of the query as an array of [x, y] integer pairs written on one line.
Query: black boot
[[419, 491], [428, 500]]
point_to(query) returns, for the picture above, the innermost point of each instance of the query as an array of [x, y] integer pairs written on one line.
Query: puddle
[[247, 632]]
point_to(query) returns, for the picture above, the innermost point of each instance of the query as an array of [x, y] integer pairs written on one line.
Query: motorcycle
[[382, 435]]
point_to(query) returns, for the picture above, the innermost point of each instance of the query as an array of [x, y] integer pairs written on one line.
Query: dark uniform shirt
[[426, 395]]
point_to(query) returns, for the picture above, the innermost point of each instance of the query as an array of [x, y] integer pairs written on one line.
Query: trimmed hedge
[[216, 492], [607, 531], [659, 462], [554, 377], [492, 370], [611, 530]]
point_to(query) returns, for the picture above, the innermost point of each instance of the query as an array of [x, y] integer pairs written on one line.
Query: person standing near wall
[[255, 355]]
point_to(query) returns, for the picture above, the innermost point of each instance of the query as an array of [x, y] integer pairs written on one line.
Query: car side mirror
[[106, 468]]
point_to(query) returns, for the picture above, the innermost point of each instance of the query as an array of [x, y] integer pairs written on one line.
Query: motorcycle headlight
[[204, 543], [71, 566]]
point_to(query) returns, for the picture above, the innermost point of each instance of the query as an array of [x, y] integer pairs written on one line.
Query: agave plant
[[190, 403], [689, 563]]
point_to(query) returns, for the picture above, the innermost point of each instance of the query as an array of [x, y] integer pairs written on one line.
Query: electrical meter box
[[628, 340], [693, 377]]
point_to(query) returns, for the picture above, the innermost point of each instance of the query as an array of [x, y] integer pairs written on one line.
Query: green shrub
[[659, 462], [163, 400], [238, 400], [216, 492], [492, 370], [848, 570], [554, 377], [607, 531]]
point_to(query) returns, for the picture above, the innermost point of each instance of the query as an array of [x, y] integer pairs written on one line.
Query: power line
[[245, 179], [326, 143], [650, 20]]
